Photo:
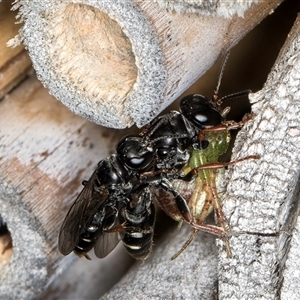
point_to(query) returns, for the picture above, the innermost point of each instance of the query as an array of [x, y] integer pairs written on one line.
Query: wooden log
[[45, 153], [263, 195], [14, 63], [13, 72], [122, 62]]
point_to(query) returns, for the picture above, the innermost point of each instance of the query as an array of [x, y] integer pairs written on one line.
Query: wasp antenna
[[235, 95], [216, 91]]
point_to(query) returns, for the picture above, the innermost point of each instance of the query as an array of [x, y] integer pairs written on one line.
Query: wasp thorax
[[199, 111]]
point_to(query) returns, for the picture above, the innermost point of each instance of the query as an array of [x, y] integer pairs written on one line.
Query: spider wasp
[[174, 160]]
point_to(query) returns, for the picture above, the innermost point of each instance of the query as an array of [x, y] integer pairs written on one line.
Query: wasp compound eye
[[199, 111], [134, 153]]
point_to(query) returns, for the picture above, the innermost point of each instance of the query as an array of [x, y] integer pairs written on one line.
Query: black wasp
[[116, 203]]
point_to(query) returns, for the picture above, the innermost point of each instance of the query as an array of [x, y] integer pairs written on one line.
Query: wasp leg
[[124, 226], [219, 216], [155, 176], [227, 125], [116, 228], [186, 214], [186, 244], [217, 165]]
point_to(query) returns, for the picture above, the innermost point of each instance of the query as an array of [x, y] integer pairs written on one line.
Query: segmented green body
[[201, 193], [208, 181], [218, 145]]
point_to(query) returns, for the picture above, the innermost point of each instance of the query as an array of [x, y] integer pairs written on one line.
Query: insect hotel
[[74, 77]]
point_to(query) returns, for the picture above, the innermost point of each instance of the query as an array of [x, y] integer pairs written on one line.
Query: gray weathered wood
[[222, 8], [291, 282], [88, 279], [45, 153], [262, 196], [193, 275]]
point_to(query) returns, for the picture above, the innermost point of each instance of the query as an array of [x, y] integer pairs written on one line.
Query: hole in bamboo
[[91, 53], [6, 247]]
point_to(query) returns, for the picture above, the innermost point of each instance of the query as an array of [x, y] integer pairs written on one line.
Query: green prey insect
[[203, 193], [199, 184]]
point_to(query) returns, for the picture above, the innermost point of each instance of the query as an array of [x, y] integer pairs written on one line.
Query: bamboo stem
[[117, 63]]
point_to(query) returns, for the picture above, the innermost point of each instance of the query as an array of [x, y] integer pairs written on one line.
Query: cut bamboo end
[[97, 55], [117, 63], [97, 58]]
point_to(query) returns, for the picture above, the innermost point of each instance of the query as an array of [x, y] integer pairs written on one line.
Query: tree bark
[[263, 195]]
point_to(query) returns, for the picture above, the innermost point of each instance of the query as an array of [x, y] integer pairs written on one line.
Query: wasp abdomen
[[139, 218]]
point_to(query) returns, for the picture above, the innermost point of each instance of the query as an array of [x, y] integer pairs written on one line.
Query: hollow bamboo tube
[[117, 63]]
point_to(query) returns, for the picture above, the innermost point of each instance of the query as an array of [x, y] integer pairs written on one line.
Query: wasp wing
[[79, 215], [106, 243]]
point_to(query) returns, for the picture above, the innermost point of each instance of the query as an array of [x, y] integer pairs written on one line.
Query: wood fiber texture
[[221, 8], [262, 195]]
